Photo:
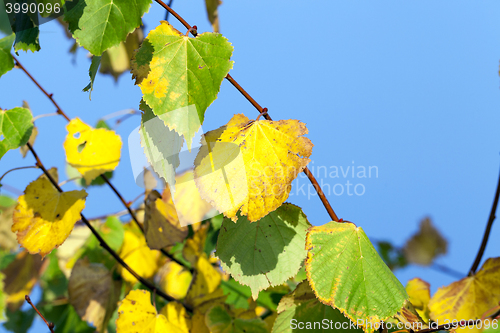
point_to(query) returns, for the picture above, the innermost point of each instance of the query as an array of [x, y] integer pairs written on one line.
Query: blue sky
[[411, 88]]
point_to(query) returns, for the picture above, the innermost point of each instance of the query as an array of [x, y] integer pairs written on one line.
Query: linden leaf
[[470, 297], [219, 320], [175, 280], [265, 253], [205, 286], [161, 145], [6, 60], [116, 60], [44, 217], [91, 151], [194, 246], [15, 128], [138, 256], [213, 13], [25, 26], [420, 295], [21, 275], [425, 245], [177, 317], [137, 314], [346, 272], [100, 24], [34, 133], [301, 306], [93, 293], [7, 237], [161, 225], [250, 166], [180, 76]]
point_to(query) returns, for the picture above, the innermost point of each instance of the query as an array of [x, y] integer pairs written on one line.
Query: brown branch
[[49, 325], [480, 253], [103, 177], [462, 323], [261, 110], [102, 242]]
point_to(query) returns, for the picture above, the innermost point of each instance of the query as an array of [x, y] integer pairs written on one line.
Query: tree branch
[[102, 242], [261, 110], [480, 253], [49, 325]]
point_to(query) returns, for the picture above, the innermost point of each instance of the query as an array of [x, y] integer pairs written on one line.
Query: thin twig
[[480, 253], [49, 325], [103, 177], [45, 115], [261, 110], [170, 5], [14, 169], [102, 242]]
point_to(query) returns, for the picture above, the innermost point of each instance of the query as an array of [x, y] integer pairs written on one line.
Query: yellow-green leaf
[[249, 166], [470, 297]]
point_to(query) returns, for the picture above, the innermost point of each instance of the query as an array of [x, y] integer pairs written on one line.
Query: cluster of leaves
[[255, 267]]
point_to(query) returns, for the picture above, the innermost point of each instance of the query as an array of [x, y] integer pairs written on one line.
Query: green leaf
[[6, 60], [219, 320], [180, 76], [65, 319], [161, 145], [15, 128], [94, 67], [301, 310], [102, 124], [345, 271], [100, 24], [25, 26], [264, 253]]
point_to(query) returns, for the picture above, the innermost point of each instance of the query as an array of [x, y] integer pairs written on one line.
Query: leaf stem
[[49, 325], [492, 217], [263, 112], [102, 242]]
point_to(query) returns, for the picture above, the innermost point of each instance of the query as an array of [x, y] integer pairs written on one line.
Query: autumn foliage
[[215, 248]]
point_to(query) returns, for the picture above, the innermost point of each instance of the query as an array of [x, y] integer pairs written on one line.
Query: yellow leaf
[[93, 293], [44, 217], [137, 314], [198, 322], [191, 208], [420, 295], [161, 225], [425, 245], [249, 166], [21, 276], [205, 288], [470, 297], [138, 256], [68, 253], [177, 317], [91, 151], [194, 246], [175, 280]]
